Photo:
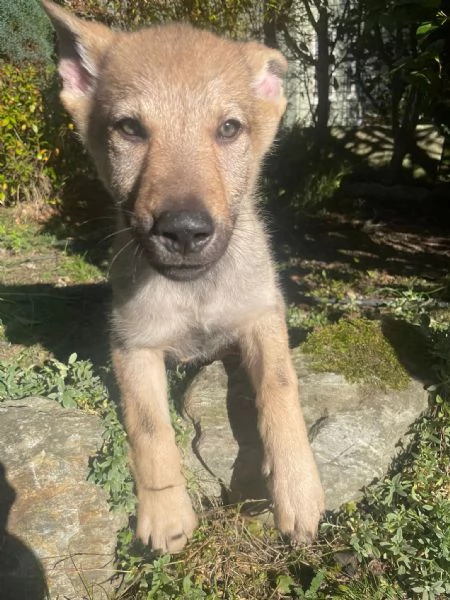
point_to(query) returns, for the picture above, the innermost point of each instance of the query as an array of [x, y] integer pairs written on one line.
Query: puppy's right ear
[[82, 45]]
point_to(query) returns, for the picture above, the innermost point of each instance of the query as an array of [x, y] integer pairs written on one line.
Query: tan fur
[[181, 85]]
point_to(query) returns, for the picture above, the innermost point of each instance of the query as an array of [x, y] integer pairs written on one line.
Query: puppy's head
[[177, 121]]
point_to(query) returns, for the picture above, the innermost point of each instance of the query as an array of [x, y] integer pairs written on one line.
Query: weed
[[20, 236], [78, 270], [296, 318], [110, 467], [73, 385], [405, 520], [408, 304]]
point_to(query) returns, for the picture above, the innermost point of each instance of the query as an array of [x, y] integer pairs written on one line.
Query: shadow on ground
[[63, 320], [398, 242]]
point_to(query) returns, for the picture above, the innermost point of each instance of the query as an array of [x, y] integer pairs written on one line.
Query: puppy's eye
[[130, 129], [229, 130]]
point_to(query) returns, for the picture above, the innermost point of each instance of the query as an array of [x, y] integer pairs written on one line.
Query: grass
[[394, 544]]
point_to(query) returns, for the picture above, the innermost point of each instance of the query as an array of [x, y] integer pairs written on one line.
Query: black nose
[[184, 232]]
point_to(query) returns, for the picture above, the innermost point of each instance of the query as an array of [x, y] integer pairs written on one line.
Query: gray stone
[[354, 431], [57, 527]]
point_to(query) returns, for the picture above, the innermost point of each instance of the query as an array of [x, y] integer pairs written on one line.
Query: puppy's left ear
[[269, 68]]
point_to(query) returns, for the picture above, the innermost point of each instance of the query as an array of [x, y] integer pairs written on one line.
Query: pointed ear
[[269, 68], [81, 45]]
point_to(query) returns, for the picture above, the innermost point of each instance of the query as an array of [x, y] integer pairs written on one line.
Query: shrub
[[25, 32], [36, 152], [234, 17], [26, 144], [303, 175]]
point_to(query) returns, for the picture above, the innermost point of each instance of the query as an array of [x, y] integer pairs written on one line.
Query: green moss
[[357, 349]]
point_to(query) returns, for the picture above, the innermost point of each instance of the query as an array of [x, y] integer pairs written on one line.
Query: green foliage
[[405, 523], [357, 348], [301, 175], [408, 304], [17, 237], [77, 269], [36, 152], [73, 385], [28, 143], [287, 585], [110, 467], [25, 32], [233, 17], [408, 42], [23, 149]]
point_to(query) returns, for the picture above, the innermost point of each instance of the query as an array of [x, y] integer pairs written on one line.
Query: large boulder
[[58, 532], [354, 430]]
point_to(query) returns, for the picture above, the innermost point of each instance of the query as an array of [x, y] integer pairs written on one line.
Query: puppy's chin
[[183, 273]]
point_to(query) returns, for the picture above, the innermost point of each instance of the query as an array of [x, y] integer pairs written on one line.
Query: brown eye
[[130, 129], [229, 130]]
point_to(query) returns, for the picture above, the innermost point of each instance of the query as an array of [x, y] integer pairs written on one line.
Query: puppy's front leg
[[288, 460], [165, 515]]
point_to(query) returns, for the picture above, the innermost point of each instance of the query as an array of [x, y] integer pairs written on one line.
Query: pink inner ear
[[268, 86], [75, 77]]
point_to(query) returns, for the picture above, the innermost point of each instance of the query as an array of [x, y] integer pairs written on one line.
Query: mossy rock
[[357, 349]]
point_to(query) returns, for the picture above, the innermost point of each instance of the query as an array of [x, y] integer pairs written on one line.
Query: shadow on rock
[[246, 483], [226, 451], [21, 573], [410, 346]]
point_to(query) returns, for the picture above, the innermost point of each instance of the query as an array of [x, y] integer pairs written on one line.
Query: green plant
[[79, 270], [287, 585], [26, 145], [110, 467], [16, 238], [73, 385], [37, 153], [408, 304], [405, 522]]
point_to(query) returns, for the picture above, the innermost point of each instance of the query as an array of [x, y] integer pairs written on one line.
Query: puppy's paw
[[166, 519], [298, 498]]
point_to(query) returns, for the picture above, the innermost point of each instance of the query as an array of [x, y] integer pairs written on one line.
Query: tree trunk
[[404, 140], [323, 74], [270, 26]]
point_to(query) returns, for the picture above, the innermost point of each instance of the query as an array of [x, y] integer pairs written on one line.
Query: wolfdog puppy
[[177, 121]]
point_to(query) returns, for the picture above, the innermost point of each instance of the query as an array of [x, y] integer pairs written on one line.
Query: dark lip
[[182, 272]]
